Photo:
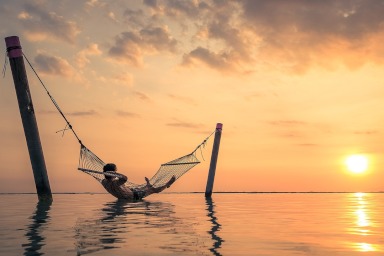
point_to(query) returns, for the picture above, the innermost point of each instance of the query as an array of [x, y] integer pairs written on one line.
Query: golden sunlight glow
[[361, 214], [363, 225], [365, 247], [362, 220], [357, 163]]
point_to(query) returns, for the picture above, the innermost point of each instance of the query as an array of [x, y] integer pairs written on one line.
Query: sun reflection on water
[[362, 219], [364, 247], [363, 224]]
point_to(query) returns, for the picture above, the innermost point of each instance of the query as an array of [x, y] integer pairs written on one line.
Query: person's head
[[109, 168]]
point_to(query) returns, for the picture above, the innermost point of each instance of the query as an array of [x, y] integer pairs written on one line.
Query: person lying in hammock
[[115, 186]]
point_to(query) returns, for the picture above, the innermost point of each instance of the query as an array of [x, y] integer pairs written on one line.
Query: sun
[[357, 163]]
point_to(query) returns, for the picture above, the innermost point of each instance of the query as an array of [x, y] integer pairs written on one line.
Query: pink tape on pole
[[13, 47], [219, 126]]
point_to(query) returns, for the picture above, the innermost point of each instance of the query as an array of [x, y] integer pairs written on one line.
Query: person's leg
[[150, 189], [171, 181]]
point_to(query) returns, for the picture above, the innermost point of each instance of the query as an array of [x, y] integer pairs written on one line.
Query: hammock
[[91, 164]]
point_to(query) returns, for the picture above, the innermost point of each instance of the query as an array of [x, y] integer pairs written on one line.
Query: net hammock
[[91, 164]]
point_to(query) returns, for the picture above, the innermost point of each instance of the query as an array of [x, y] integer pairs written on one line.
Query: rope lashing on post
[[5, 65]]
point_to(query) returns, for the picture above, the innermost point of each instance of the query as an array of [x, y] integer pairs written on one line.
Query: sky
[[298, 86]]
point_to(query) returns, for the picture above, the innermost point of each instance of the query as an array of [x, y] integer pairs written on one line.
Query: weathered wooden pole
[[212, 166], [28, 118]]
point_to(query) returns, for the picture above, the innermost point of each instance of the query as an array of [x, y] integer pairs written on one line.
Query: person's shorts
[[138, 194]]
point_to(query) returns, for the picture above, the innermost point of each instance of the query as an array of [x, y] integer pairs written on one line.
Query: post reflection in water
[[215, 227], [40, 219]]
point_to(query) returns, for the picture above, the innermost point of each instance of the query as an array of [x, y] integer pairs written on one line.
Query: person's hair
[[109, 168]]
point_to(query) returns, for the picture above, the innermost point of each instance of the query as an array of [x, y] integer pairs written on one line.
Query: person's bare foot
[[147, 180]]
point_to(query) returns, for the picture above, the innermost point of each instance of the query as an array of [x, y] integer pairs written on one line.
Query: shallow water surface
[[188, 224]]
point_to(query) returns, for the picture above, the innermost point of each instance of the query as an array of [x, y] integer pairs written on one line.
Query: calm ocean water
[[187, 224]]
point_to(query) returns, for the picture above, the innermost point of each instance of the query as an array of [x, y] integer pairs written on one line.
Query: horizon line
[[218, 192]]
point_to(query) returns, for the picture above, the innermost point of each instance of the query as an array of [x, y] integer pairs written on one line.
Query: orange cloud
[[142, 96], [41, 24], [130, 47], [295, 36], [53, 65], [187, 125], [127, 114], [124, 79], [186, 100], [82, 58]]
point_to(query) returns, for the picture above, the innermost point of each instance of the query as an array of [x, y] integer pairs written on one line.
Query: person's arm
[[122, 179]]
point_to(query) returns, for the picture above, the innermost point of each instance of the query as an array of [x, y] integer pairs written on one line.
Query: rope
[[5, 65], [55, 103], [202, 145]]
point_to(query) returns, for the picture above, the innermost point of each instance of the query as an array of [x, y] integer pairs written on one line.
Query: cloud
[[177, 8], [41, 24], [127, 114], [292, 135], [130, 47], [127, 49], [187, 125], [112, 16], [211, 59], [223, 44], [293, 36], [48, 112], [53, 65], [368, 132], [75, 113], [182, 99], [300, 34], [158, 38], [321, 19], [123, 79], [291, 129], [82, 58], [93, 3], [24, 16], [151, 3], [287, 123], [83, 113], [134, 17], [142, 96], [232, 36]]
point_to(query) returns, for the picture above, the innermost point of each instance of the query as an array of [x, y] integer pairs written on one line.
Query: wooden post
[[212, 166], [28, 118]]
